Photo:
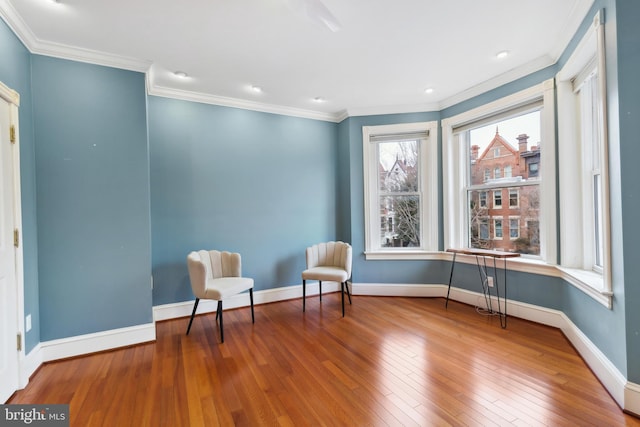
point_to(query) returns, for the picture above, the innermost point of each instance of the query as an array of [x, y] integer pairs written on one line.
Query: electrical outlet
[[490, 281], [27, 322]]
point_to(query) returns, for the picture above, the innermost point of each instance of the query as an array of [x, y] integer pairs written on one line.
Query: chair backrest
[[330, 254], [205, 265]]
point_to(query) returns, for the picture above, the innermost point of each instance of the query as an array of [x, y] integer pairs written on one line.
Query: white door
[[8, 284]]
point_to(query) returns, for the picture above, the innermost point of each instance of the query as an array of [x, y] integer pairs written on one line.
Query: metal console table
[[481, 261]]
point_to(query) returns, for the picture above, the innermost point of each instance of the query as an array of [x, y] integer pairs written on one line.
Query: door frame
[[13, 98]]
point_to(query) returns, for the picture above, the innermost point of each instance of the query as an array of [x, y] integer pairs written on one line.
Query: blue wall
[[15, 72], [241, 180], [628, 16], [93, 197], [223, 178]]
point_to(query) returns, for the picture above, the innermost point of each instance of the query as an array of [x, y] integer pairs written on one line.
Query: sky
[[509, 130]]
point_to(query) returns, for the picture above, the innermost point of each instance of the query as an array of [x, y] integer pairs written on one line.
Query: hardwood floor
[[390, 361]]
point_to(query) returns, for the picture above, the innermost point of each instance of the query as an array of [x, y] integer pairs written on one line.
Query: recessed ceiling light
[[318, 99], [503, 54], [256, 89], [428, 90], [181, 74]]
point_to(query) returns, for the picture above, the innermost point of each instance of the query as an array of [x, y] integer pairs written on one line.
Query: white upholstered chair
[[329, 261], [217, 275]]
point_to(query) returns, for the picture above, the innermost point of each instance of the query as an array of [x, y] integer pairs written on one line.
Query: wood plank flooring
[[390, 361]]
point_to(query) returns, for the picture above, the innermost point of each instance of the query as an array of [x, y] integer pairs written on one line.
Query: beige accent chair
[[217, 275], [329, 261]]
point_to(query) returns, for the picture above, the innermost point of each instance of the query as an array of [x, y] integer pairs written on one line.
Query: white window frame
[[517, 190], [429, 185], [482, 199], [508, 172], [575, 177], [497, 195], [484, 221], [517, 219], [455, 164], [495, 228]]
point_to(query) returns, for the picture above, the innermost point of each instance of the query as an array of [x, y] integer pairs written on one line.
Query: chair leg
[[320, 289], [253, 318], [219, 311], [342, 294], [346, 285], [304, 292], [193, 313]]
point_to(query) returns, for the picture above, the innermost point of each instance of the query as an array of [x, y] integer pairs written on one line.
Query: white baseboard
[[184, 309], [99, 341], [29, 365], [626, 394], [632, 398]]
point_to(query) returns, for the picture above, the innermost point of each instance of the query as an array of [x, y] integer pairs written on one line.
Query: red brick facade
[[504, 205]]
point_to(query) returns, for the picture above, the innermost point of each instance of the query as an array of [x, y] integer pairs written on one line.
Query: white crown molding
[[577, 15], [58, 50], [24, 33], [391, 109], [500, 80], [203, 98], [9, 15]]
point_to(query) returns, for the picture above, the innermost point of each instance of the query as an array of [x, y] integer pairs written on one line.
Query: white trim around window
[[429, 184], [454, 166], [585, 238]]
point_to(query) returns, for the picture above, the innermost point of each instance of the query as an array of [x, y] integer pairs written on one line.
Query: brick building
[[504, 195]]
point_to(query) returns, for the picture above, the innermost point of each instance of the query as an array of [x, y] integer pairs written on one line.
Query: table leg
[[453, 264]]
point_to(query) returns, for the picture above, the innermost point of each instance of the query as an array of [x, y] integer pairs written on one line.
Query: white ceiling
[[380, 61]]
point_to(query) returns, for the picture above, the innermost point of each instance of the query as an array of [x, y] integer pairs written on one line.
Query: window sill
[[405, 255], [589, 282]]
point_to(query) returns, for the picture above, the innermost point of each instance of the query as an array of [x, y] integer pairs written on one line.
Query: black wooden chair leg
[[193, 313], [342, 294], [219, 310], [304, 292], [253, 318], [320, 289], [346, 285]]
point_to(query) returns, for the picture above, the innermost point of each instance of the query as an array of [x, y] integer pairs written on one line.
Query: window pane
[[507, 154], [399, 198], [497, 199], [398, 166], [597, 213], [497, 228], [514, 228], [401, 224], [513, 197]]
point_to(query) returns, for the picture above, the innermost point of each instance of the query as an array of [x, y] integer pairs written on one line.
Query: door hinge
[[16, 237], [12, 134], [19, 341]]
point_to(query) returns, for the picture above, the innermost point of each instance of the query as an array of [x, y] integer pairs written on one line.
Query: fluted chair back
[[330, 261], [217, 275]]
